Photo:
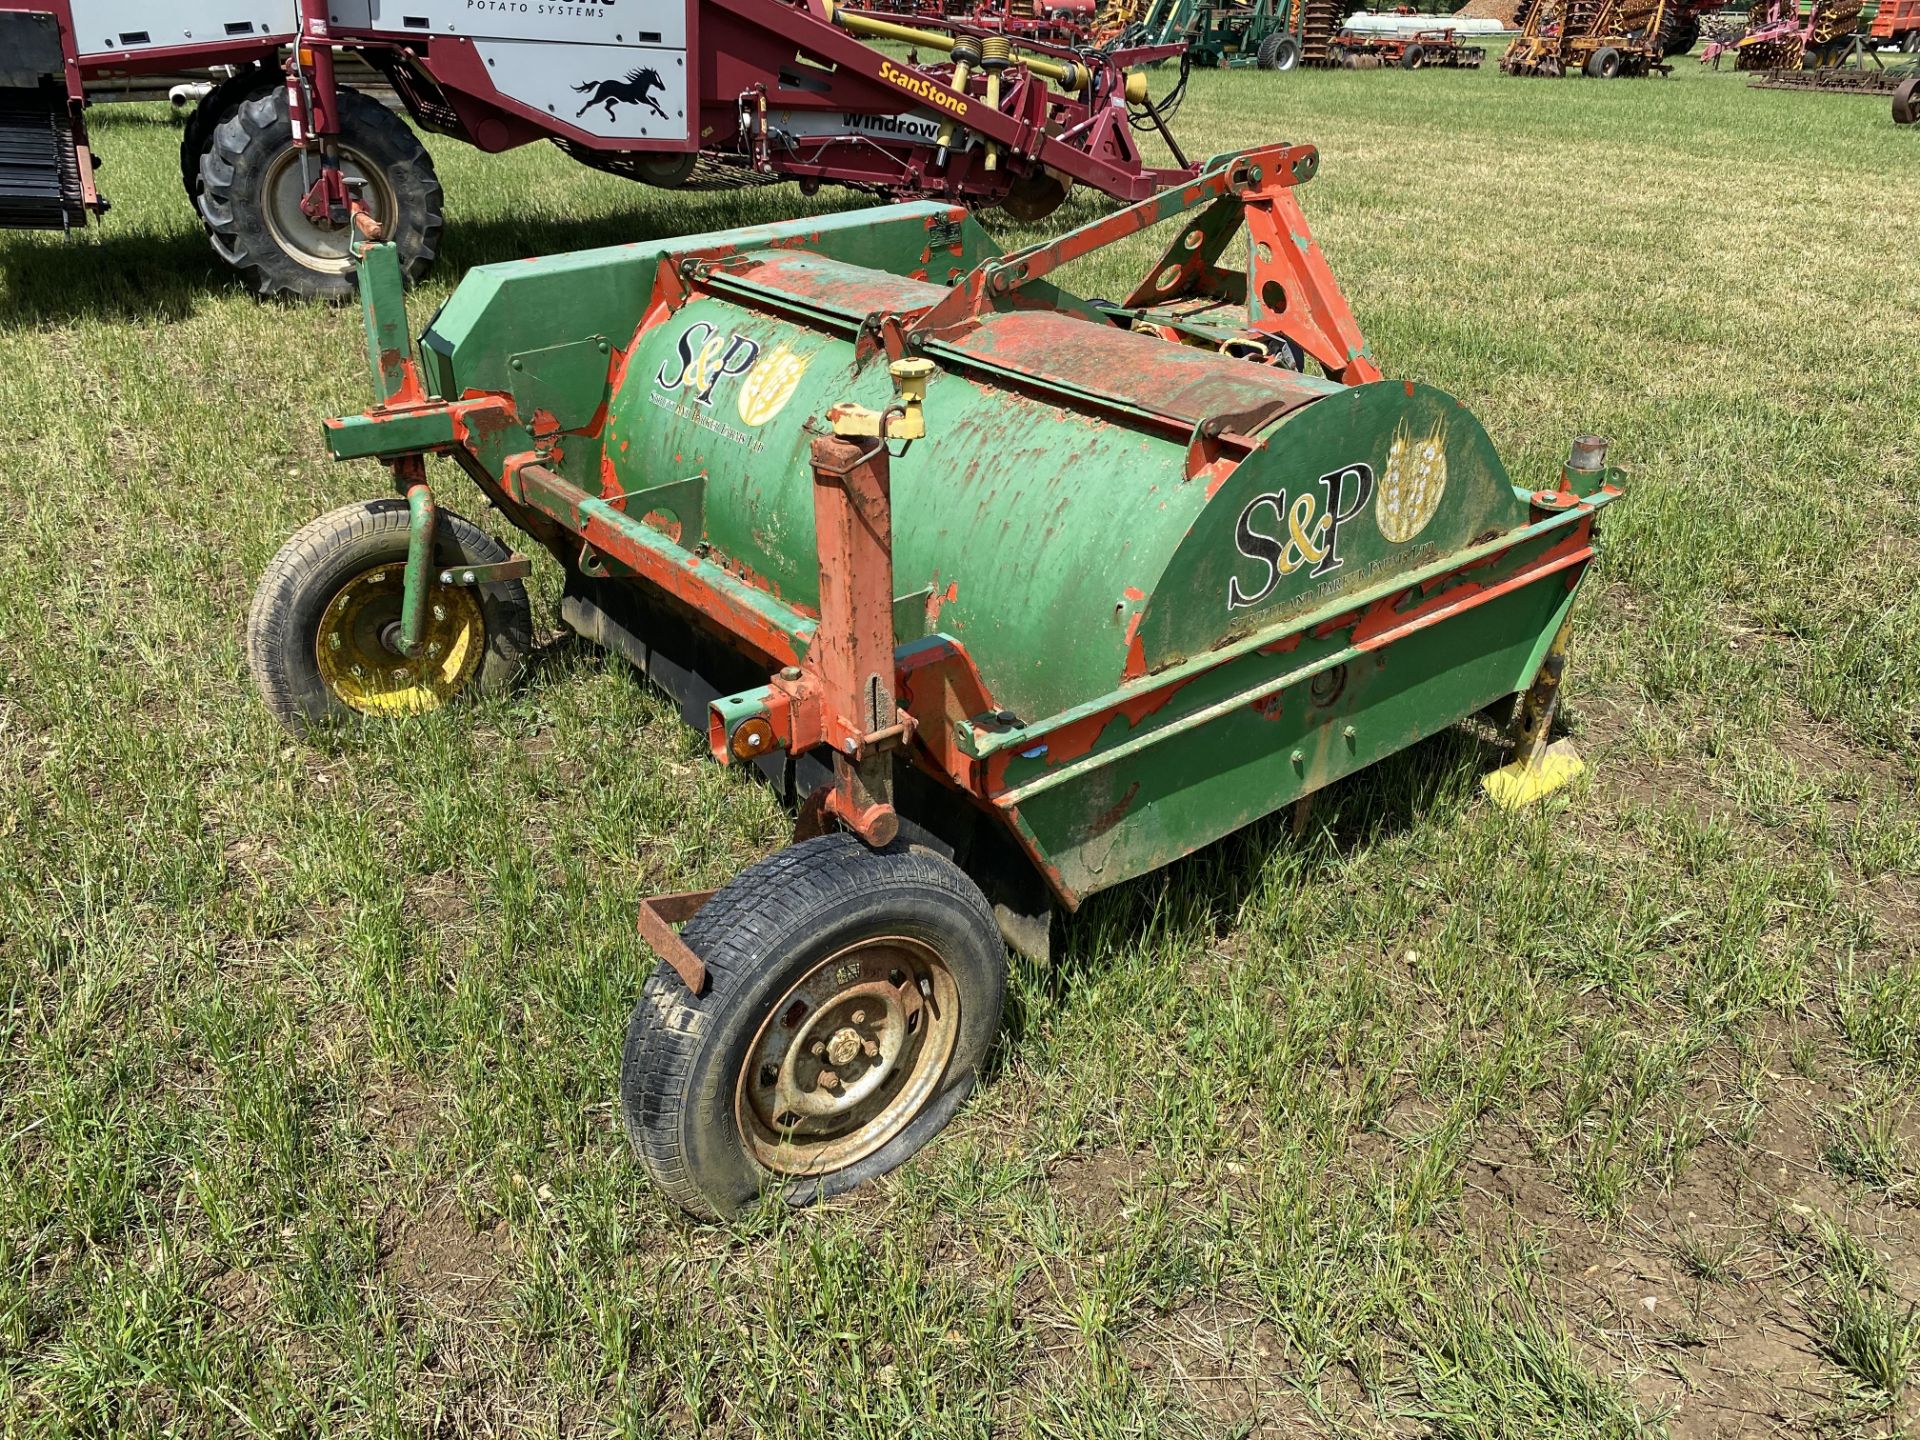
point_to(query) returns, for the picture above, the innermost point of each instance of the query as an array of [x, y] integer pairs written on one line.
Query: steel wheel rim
[[354, 645], [820, 1090], [320, 247]]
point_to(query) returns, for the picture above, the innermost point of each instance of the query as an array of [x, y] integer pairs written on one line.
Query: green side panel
[[1190, 789], [1365, 484], [562, 386], [504, 310]]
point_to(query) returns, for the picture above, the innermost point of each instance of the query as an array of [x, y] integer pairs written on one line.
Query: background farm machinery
[[1065, 22], [1287, 34], [1790, 35], [1820, 45], [1602, 39], [673, 93], [1220, 34], [1896, 23], [1439, 47]]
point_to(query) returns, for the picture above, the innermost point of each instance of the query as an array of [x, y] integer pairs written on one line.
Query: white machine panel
[[591, 22], [102, 27], [622, 92]]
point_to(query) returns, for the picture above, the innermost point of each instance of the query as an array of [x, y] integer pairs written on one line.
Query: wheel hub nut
[[843, 1045]]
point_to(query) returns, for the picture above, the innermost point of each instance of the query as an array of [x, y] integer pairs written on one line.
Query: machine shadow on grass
[[1201, 896], [125, 277], [139, 275]]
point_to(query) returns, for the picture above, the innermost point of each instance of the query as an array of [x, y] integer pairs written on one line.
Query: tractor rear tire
[[1682, 36], [1910, 43], [1277, 52], [324, 610], [217, 107], [1604, 63], [885, 965], [1412, 58], [253, 178]]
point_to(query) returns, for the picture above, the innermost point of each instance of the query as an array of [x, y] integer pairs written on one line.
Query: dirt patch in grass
[[1699, 1295], [241, 1295], [1095, 1186], [439, 1258], [1227, 1365]]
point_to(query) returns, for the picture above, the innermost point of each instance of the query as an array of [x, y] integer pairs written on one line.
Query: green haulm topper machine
[[1016, 595]]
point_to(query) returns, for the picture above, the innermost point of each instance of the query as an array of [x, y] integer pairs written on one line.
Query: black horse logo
[[636, 89]]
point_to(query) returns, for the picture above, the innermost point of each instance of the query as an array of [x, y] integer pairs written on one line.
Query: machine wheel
[[851, 995], [1277, 52], [1337, 56], [1910, 43], [1036, 195], [322, 628], [253, 179], [1412, 58], [214, 110], [1682, 37], [1906, 101], [1604, 63]]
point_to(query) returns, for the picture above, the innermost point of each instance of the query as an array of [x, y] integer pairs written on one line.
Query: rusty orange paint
[[1285, 645], [1136, 664], [1080, 737], [938, 599], [1113, 814], [1382, 622]]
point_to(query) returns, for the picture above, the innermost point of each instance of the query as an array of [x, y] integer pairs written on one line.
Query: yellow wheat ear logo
[[1412, 484], [770, 385]]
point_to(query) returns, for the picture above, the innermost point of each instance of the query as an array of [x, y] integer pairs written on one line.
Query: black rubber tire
[[234, 169], [1277, 51], [1412, 57], [1604, 63], [1906, 101], [776, 921], [283, 622], [1910, 43], [213, 111], [1682, 36]]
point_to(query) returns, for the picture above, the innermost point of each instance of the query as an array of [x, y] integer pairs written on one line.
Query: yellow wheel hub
[[358, 645]]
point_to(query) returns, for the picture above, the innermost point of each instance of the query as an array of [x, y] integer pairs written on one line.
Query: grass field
[[1590, 1122]]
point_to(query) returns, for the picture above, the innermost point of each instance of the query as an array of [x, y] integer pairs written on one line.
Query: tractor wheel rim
[[325, 248], [357, 645], [848, 1058]]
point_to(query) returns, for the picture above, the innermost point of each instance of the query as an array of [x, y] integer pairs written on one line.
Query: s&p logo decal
[[703, 357], [1283, 534]]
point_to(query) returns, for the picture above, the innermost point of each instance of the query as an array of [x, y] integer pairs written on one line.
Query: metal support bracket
[[517, 567], [1538, 767], [383, 311], [660, 917], [423, 526]]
